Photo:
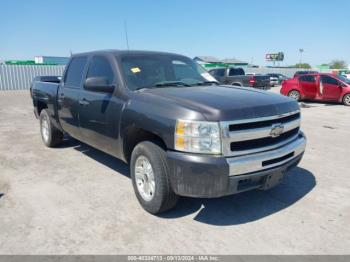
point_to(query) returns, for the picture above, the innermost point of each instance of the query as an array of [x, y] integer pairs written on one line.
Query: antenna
[[126, 34]]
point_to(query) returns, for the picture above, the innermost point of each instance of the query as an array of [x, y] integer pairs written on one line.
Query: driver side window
[[100, 67], [329, 80], [309, 79]]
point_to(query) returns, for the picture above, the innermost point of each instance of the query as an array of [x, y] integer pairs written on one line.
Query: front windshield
[[154, 70], [344, 79]]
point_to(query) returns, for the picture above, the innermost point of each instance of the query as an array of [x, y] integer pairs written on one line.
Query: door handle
[[60, 98], [83, 102]]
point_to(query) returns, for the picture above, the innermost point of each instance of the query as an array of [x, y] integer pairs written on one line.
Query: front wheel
[[150, 178], [295, 95], [346, 100]]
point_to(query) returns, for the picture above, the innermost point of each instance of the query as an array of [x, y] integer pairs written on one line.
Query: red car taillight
[[252, 80]]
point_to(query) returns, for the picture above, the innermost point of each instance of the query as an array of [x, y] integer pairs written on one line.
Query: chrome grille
[[248, 136]]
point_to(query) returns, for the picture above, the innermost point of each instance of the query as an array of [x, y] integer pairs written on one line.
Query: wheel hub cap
[[144, 177], [45, 129], [347, 100]]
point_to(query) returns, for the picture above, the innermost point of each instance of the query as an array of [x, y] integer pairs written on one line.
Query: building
[[209, 62], [207, 59], [51, 60], [233, 62]]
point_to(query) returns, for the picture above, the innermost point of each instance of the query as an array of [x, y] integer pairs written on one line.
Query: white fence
[[19, 77], [266, 70]]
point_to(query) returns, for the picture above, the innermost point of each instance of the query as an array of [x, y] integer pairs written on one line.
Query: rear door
[[330, 88], [68, 96], [100, 111], [309, 86]]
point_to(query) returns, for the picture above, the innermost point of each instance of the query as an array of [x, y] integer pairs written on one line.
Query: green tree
[[338, 64], [303, 65]]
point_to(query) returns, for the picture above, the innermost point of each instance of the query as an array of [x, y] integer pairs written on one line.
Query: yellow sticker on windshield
[[135, 70]]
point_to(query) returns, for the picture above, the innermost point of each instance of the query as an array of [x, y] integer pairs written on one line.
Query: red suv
[[319, 87]]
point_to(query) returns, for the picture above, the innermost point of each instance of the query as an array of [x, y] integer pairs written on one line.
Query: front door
[[330, 88], [308, 84], [68, 96], [99, 111]]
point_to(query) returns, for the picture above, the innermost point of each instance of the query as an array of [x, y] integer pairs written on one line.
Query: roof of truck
[[123, 52]]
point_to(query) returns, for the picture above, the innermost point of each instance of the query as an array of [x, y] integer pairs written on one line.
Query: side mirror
[[98, 84]]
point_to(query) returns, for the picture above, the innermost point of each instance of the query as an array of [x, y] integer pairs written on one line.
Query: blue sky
[[226, 28]]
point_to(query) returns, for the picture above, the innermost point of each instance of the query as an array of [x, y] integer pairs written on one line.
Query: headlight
[[198, 137]]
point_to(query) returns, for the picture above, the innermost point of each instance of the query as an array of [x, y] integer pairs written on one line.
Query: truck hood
[[224, 103]]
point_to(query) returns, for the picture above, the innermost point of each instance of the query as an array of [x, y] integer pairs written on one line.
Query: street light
[[301, 54]]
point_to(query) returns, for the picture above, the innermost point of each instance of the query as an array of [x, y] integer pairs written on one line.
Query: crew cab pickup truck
[[180, 134], [237, 77]]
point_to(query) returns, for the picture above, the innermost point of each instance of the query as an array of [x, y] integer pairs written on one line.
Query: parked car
[[237, 77], [319, 87], [273, 81], [181, 135], [304, 72], [279, 77]]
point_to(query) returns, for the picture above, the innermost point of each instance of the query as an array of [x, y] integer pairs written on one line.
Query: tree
[[303, 65], [338, 64]]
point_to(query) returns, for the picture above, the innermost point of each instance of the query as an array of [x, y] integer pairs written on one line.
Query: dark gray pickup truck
[[237, 77], [181, 135]]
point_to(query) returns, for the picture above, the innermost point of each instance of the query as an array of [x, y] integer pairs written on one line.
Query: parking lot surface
[[77, 200]]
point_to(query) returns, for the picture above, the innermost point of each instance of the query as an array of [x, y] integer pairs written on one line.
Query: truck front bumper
[[215, 176]]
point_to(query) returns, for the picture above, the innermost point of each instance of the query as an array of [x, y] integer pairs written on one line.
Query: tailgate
[[263, 81]]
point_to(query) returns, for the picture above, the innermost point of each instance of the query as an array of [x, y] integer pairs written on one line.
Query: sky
[[246, 30]]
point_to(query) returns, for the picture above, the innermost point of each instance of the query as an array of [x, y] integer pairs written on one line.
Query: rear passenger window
[[75, 72], [310, 79], [100, 67], [236, 72]]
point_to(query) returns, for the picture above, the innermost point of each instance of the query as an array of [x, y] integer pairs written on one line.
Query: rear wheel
[[295, 95], [50, 135], [346, 100], [150, 178]]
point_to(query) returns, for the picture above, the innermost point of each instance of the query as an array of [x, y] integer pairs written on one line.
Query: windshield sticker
[[135, 70]]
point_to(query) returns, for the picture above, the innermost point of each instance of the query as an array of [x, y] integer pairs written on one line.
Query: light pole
[[301, 55]]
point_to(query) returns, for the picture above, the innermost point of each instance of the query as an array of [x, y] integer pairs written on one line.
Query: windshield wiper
[[171, 83], [164, 84], [206, 83]]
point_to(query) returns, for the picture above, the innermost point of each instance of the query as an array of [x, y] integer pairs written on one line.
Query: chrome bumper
[[268, 159]]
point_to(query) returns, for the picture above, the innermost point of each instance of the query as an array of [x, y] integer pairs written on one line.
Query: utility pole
[[301, 51]]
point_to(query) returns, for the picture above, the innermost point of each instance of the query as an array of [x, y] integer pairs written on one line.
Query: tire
[[50, 135], [237, 84], [163, 197], [346, 100], [295, 94]]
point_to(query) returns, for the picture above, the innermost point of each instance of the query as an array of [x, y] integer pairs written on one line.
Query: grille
[[263, 142], [266, 123], [254, 135]]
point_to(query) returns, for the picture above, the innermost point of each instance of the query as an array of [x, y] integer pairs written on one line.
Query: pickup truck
[[237, 77], [180, 134]]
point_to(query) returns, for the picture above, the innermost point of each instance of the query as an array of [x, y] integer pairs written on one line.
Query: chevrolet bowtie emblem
[[276, 130]]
